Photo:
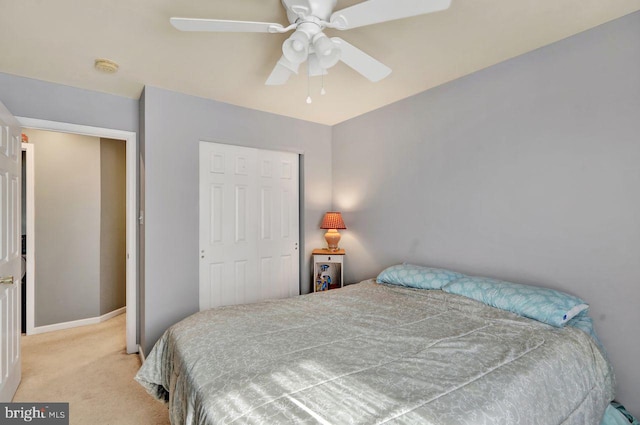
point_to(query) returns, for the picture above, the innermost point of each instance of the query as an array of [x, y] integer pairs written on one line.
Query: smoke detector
[[106, 66]]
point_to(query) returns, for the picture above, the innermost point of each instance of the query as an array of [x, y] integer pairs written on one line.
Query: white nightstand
[[328, 269]]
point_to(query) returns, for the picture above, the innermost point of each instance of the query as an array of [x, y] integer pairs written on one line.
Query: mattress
[[376, 354]]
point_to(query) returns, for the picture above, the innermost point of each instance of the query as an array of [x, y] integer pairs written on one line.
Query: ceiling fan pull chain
[[322, 90], [309, 100]]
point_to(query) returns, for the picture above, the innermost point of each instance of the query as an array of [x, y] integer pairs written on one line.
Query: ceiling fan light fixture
[[296, 47], [327, 51]]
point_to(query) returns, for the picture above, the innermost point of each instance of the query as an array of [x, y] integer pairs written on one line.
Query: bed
[[377, 353]]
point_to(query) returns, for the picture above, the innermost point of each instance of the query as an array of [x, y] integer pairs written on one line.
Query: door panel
[[10, 262], [248, 225], [279, 184], [216, 194]]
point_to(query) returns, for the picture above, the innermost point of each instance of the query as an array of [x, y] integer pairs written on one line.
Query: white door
[[249, 225], [10, 252]]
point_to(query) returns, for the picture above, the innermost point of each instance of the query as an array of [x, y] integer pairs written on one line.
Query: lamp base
[[332, 237]]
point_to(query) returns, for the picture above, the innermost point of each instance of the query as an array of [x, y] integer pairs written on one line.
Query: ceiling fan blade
[[220, 25], [281, 72], [376, 11], [361, 62]]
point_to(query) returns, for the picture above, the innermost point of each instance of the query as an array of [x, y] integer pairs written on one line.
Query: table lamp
[[332, 222]]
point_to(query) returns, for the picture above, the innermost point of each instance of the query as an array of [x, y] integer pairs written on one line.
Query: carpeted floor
[[89, 368]]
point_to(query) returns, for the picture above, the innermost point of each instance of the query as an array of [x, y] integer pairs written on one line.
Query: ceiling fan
[[308, 19]]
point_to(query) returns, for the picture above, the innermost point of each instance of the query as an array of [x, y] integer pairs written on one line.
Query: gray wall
[[67, 226], [113, 241], [526, 171], [174, 124], [26, 97]]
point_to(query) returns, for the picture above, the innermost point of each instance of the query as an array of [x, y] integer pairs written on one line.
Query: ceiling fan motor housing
[[310, 18], [297, 9]]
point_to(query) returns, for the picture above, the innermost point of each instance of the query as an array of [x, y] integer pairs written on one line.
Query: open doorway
[[28, 222], [130, 141]]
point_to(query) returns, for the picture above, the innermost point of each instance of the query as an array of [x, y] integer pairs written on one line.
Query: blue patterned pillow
[[583, 322], [417, 276], [543, 304]]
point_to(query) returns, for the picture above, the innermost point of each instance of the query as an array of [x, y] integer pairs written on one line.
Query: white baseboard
[[76, 323], [141, 353]]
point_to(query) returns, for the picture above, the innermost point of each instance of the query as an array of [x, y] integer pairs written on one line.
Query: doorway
[[28, 241], [130, 140]]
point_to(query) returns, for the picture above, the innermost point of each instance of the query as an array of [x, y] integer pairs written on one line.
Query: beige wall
[[67, 226], [68, 229], [113, 242]]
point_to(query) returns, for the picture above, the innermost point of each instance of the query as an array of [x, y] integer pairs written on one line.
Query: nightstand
[[328, 269]]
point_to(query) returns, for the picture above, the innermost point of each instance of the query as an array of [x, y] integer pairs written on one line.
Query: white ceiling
[[59, 40]]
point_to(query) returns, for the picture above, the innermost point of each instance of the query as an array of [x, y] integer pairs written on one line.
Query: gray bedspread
[[374, 354]]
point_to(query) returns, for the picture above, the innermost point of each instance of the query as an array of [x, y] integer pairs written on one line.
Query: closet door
[[278, 224], [248, 225]]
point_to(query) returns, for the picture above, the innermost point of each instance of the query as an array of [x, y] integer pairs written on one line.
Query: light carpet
[[88, 367]]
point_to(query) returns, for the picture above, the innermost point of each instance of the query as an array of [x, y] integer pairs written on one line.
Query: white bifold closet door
[[249, 225]]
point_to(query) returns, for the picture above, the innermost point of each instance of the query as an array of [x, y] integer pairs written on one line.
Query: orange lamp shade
[[333, 220]]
